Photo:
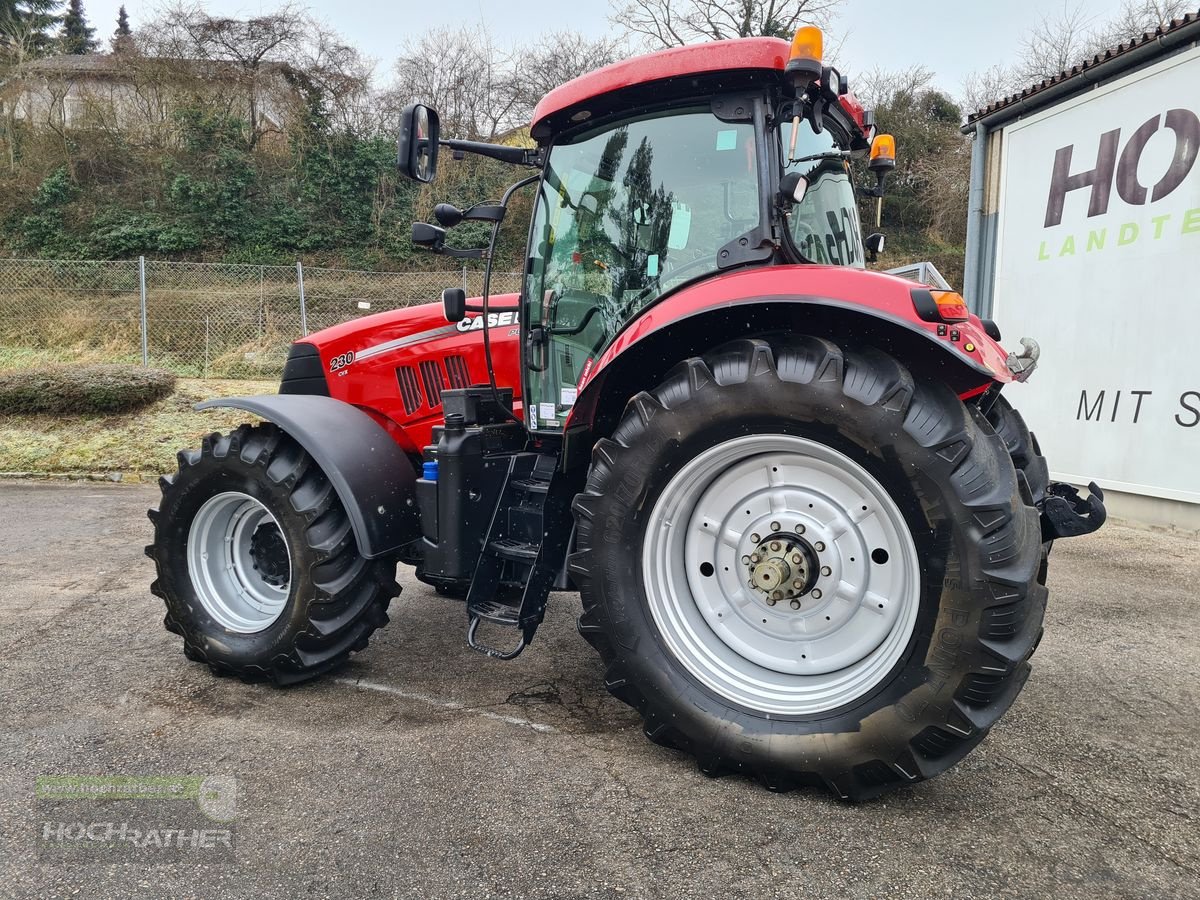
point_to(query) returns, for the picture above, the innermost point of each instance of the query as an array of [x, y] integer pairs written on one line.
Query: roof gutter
[[1081, 81]]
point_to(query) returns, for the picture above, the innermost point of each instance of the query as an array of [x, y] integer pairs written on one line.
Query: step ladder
[[516, 550]]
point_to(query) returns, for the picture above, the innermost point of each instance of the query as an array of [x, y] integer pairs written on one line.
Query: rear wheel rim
[[809, 626], [241, 594]]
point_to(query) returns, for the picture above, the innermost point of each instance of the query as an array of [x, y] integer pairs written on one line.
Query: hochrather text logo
[[1117, 167], [135, 817]]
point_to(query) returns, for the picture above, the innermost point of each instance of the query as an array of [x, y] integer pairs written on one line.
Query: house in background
[[132, 93]]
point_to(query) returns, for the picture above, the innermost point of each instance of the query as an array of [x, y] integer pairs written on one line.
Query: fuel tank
[[394, 365]]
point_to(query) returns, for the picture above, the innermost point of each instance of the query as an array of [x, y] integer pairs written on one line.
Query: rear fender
[[670, 332], [371, 474]]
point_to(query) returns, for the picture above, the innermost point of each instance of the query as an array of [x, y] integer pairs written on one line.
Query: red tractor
[[809, 533]]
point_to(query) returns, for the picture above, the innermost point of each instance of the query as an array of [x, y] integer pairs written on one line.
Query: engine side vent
[[435, 381], [456, 368], [410, 390]]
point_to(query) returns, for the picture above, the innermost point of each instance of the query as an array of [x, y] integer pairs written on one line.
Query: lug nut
[[795, 604], [775, 526], [754, 538], [799, 529], [745, 560], [825, 570], [798, 584], [777, 595], [776, 546], [797, 558], [755, 558], [816, 593], [819, 546], [771, 601]]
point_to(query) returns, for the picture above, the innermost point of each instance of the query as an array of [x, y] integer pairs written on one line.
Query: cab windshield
[[624, 214], [824, 225]]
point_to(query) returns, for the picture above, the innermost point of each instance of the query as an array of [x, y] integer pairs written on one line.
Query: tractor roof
[[719, 65]]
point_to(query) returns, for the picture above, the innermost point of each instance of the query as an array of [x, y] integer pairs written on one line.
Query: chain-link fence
[[196, 319]]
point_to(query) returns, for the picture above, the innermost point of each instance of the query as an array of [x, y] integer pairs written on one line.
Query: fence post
[[303, 308], [142, 287], [465, 285], [262, 302]]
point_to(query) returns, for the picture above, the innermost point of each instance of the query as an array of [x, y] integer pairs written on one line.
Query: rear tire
[[257, 563], [978, 605], [1022, 446]]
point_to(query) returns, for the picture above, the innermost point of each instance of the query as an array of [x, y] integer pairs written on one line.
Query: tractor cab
[[664, 171]]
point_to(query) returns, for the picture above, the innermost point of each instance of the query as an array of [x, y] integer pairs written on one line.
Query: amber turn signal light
[[951, 306]]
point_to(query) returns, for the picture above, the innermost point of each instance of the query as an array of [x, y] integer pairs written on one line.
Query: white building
[[1085, 235]]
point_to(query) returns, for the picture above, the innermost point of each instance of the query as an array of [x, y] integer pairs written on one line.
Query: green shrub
[[72, 390]]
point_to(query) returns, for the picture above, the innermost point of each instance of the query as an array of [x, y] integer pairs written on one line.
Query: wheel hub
[[783, 567], [269, 554]]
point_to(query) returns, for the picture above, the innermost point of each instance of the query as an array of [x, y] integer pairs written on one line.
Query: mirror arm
[[472, 253], [520, 156]]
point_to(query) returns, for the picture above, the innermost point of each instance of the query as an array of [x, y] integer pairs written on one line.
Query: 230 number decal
[[340, 362]]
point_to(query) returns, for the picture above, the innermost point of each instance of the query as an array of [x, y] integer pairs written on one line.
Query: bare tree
[[1066, 39], [554, 59], [18, 47], [264, 65], [464, 75], [673, 23], [249, 55], [983, 88], [1057, 43], [1138, 17]]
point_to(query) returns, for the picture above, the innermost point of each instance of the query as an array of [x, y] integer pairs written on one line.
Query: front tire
[[896, 645], [257, 563]]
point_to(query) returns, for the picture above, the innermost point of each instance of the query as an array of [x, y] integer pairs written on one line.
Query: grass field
[[137, 445]]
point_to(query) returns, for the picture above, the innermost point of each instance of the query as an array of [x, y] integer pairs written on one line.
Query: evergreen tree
[[77, 36], [39, 17], [122, 38]]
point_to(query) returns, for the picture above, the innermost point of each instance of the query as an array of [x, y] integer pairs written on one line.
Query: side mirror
[[426, 235], [417, 147], [874, 244], [454, 304]]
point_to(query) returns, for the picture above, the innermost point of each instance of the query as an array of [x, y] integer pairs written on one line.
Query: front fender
[[372, 476]]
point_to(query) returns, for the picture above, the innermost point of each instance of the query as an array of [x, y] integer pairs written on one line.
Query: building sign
[[1098, 259]]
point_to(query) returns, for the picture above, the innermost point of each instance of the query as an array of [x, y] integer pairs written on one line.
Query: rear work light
[[940, 306]]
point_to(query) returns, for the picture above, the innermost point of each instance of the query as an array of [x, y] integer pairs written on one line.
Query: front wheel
[[257, 563], [835, 577]]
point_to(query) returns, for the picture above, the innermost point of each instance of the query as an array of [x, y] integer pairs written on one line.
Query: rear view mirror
[[417, 147], [454, 304], [874, 244]]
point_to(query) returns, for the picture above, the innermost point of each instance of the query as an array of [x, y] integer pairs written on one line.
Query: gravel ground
[[425, 770]]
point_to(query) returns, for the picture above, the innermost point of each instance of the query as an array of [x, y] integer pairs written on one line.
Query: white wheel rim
[[222, 568], [858, 589]]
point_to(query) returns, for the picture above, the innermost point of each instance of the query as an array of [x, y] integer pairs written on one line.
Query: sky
[[952, 37]]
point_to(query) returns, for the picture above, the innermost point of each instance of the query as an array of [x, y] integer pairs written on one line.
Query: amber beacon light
[[808, 49], [883, 152]]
